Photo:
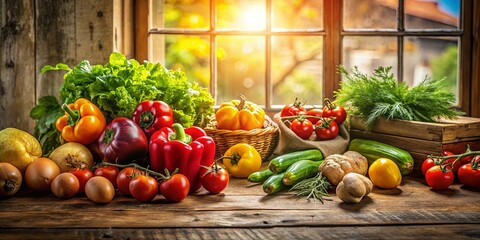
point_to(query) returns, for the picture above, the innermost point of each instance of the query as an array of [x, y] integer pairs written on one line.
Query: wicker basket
[[263, 139]]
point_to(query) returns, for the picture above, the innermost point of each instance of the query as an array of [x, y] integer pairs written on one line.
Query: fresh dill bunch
[[381, 96]]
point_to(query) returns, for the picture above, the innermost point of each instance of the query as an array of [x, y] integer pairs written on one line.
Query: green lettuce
[[116, 88], [119, 85]]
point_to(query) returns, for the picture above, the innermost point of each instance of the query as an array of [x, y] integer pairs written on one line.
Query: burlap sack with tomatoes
[[290, 142]]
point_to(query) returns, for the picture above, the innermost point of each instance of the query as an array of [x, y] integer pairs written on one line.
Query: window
[[273, 51]]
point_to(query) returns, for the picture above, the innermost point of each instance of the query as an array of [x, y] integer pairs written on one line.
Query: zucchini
[[300, 170], [374, 150], [282, 162], [274, 184], [260, 176]]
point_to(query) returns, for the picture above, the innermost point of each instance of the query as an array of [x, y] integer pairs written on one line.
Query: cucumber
[[300, 170], [374, 150], [260, 176], [282, 162], [274, 184]]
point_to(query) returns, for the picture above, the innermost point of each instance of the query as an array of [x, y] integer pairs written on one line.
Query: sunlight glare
[[252, 18]]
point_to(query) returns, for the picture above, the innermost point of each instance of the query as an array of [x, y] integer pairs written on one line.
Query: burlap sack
[[290, 142]]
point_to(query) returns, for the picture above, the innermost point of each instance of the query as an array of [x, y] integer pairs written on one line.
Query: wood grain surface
[[243, 211]]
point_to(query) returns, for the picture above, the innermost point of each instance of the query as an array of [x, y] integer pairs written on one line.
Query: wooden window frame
[[333, 33]]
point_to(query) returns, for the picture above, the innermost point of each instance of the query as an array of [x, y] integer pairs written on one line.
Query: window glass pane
[[187, 53], [435, 57], [297, 69], [241, 68], [241, 14], [181, 14], [307, 14], [370, 14], [368, 53], [440, 14]]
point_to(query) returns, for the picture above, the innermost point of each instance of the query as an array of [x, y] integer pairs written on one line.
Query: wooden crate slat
[[460, 129]]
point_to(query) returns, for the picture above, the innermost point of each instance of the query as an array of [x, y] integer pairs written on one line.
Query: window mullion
[[213, 52], [333, 13], [268, 58], [401, 28]]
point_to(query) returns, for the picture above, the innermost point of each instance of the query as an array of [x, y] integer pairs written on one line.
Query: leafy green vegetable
[[380, 95], [119, 85], [46, 113], [116, 88]]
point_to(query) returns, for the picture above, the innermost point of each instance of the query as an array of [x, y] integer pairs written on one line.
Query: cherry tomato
[[469, 174], [331, 110], [293, 109], [438, 179], [466, 159], [302, 127], [175, 188], [214, 179], [326, 129], [83, 175], [109, 172], [449, 161], [143, 188], [314, 112], [427, 164], [124, 178]]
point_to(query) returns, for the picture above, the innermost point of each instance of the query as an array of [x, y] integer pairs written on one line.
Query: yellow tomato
[[384, 173]]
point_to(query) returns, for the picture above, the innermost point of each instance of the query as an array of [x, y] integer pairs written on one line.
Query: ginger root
[[335, 166]]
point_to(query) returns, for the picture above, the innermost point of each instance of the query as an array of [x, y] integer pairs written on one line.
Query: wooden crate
[[422, 138]]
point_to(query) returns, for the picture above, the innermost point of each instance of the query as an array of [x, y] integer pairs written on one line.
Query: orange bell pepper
[[83, 122], [239, 115]]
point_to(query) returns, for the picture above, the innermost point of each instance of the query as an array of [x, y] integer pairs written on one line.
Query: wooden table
[[243, 211]]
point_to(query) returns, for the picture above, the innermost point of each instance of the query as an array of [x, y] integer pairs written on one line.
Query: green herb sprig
[[316, 188], [380, 95]]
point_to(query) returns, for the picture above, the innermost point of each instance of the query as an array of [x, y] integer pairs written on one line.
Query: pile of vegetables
[[116, 88], [380, 95], [182, 159]]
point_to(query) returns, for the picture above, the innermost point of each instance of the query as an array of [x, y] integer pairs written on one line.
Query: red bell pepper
[[185, 149], [151, 116]]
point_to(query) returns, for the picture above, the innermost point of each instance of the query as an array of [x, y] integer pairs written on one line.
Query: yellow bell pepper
[[239, 115], [241, 160]]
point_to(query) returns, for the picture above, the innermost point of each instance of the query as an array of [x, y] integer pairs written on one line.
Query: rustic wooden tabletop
[[243, 211]]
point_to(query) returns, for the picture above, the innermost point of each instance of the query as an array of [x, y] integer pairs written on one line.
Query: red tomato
[[438, 179], [293, 109], [83, 175], [469, 174], [314, 112], [143, 188], [331, 110], [175, 188], [427, 164], [447, 153], [466, 159], [449, 161], [214, 179], [326, 129], [108, 172], [302, 127], [124, 178]]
